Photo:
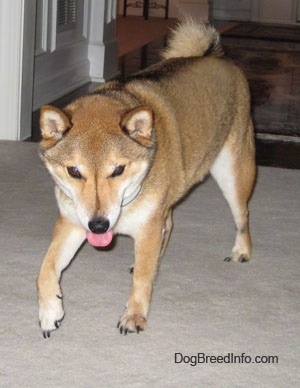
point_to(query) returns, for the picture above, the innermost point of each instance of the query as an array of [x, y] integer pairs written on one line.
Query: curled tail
[[191, 39]]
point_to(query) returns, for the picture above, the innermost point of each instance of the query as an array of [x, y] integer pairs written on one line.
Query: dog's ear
[[138, 124], [53, 122]]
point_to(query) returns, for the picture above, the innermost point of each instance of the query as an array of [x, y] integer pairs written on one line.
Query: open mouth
[[100, 239]]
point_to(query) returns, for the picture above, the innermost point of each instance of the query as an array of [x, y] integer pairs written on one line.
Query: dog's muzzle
[[99, 225]]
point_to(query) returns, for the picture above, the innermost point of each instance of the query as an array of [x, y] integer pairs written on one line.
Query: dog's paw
[[238, 257], [51, 313], [131, 323]]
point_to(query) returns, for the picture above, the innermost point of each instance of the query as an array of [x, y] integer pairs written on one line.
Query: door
[[276, 11], [232, 9], [61, 49], [270, 11]]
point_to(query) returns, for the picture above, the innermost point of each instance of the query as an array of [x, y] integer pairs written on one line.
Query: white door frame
[[16, 67], [17, 38]]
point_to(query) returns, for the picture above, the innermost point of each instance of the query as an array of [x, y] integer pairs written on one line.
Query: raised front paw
[[131, 323], [51, 313]]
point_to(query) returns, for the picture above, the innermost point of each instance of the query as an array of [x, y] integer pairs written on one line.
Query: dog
[[123, 156]]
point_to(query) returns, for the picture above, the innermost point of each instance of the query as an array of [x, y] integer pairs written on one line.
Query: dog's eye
[[74, 172], [118, 171]]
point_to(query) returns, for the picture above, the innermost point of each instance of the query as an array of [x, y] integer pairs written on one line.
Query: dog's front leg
[[148, 246], [67, 239]]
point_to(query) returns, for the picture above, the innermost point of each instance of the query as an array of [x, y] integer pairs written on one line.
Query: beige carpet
[[200, 303], [134, 32]]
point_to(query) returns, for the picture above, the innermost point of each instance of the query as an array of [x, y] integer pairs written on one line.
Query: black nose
[[99, 225]]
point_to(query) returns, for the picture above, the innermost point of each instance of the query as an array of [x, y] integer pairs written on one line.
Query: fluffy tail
[[191, 39]]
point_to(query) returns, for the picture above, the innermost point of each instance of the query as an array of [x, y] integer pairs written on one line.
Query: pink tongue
[[100, 240]]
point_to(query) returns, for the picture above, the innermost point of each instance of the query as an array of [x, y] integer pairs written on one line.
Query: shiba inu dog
[[122, 157]]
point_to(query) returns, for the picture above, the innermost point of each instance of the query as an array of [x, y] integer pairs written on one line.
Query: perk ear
[[138, 124], [53, 122]]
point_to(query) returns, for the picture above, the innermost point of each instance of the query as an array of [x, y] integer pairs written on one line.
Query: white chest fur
[[135, 216]]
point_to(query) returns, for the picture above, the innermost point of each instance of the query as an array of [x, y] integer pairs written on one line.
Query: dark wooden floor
[[269, 152]]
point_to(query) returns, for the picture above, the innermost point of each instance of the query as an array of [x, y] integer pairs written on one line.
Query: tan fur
[[122, 157]]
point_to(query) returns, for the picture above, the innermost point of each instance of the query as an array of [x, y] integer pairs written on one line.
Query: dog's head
[[98, 153]]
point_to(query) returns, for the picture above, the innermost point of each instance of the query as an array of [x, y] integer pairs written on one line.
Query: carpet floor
[[201, 304]]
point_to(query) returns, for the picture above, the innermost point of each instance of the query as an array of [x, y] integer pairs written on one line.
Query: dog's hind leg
[[234, 171], [66, 241]]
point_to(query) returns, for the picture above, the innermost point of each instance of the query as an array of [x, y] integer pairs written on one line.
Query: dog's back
[[201, 94]]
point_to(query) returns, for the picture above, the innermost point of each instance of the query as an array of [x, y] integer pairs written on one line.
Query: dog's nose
[[99, 225]]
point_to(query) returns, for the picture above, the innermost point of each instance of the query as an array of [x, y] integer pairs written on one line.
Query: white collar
[[127, 200]]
